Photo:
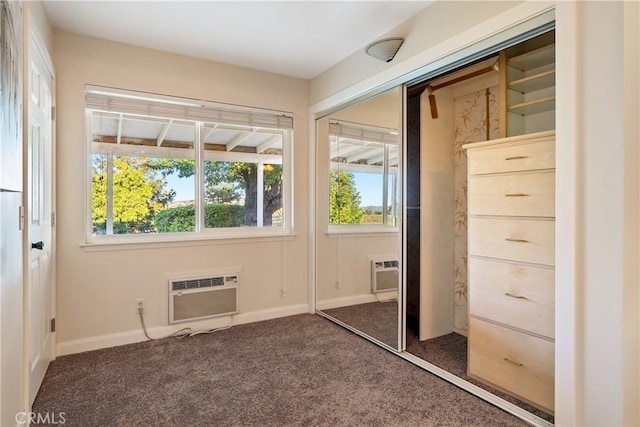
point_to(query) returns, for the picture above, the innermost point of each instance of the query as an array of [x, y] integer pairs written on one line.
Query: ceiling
[[294, 38]]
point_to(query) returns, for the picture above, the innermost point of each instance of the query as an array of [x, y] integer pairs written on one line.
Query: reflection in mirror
[[358, 216]]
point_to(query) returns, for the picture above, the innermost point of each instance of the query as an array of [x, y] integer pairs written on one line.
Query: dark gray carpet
[[449, 352], [376, 319], [296, 371]]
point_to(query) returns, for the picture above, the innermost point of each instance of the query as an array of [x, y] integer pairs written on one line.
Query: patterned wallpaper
[[470, 126]]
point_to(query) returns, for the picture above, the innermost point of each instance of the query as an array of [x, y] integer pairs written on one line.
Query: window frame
[[201, 232]]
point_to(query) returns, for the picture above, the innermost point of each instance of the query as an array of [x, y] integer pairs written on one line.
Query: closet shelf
[[535, 58], [535, 82], [534, 107]]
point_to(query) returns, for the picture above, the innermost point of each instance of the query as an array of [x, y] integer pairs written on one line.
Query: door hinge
[[53, 324], [53, 112], [53, 219], [20, 218]]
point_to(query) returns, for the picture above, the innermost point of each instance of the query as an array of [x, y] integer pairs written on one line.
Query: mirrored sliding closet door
[[435, 220], [358, 211]]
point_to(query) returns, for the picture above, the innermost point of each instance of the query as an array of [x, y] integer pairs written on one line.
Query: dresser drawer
[[516, 295], [513, 239], [517, 363], [513, 158], [527, 194]]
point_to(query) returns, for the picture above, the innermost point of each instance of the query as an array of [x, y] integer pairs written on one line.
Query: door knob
[[37, 245]]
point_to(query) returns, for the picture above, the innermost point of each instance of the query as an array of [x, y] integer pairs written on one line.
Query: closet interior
[[480, 223]]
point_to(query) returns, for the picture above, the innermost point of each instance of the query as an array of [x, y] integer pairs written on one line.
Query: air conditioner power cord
[[182, 333]]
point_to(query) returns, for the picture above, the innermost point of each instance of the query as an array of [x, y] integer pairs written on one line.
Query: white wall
[[97, 287], [605, 196], [597, 297]]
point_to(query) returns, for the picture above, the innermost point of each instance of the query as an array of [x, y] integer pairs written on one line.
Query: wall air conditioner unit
[[384, 275], [204, 297]]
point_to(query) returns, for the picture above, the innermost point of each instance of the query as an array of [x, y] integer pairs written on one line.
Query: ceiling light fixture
[[384, 49]]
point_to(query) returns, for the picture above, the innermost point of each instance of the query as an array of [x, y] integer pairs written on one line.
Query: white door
[[40, 241]]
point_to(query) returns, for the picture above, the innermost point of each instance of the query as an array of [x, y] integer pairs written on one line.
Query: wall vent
[[384, 275], [203, 297]]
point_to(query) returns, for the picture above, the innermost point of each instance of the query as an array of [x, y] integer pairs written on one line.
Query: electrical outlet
[[139, 305], [283, 293], [338, 285]]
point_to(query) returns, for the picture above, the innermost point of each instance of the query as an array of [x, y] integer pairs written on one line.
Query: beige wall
[[97, 288]]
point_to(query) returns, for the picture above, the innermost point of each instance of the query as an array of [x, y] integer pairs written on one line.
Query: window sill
[[360, 231], [118, 243]]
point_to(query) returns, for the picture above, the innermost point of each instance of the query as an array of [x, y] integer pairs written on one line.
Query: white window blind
[[363, 132], [141, 104]]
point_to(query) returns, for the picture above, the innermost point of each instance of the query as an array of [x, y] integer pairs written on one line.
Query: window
[[363, 175], [163, 165]]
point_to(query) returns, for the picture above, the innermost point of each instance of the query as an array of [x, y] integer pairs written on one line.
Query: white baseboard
[[461, 331], [356, 299], [137, 335]]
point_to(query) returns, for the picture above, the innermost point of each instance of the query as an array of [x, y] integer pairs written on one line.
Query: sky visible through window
[[369, 185], [184, 188]]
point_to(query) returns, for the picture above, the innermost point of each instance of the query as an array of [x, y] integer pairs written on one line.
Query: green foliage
[[140, 198], [218, 215], [182, 219], [223, 193], [222, 183], [175, 220], [344, 199], [183, 167], [137, 194], [272, 192], [230, 182]]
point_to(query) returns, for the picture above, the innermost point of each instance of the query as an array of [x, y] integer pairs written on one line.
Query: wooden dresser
[[511, 212]]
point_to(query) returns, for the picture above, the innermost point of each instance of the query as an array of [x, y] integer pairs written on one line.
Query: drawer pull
[[517, 158], [506, 359], [516, 240], [515, 195], [515, 296]]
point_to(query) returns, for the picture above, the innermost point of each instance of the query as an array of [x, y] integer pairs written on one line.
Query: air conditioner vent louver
[[385, 264], [204, 282], [200, 298]]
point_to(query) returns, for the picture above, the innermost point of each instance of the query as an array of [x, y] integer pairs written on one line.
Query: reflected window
[[363, 174]]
